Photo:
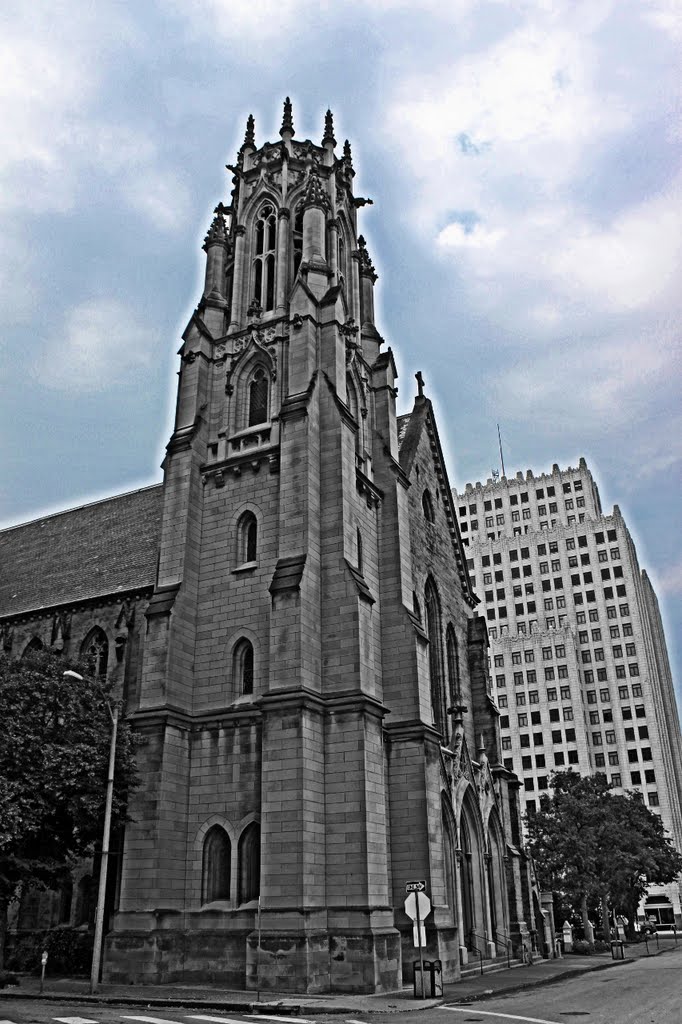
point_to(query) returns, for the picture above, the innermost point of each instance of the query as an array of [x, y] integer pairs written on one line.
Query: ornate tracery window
[[33, 647], [259, 389], [265, 240], [95, 653]]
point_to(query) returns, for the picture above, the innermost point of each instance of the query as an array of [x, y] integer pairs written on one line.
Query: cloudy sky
[[524, 159]]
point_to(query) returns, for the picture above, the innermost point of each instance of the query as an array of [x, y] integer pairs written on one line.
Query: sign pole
[[419, 936]]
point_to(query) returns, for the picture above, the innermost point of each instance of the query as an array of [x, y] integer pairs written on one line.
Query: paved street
[[639, 991], [646, 991]]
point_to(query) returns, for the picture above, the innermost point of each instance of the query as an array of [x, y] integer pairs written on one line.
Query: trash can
[[433, 978], [617, 949]]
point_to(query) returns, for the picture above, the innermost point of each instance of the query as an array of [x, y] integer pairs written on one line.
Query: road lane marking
[[474, 1008], [75, 1020], [351, 1021]]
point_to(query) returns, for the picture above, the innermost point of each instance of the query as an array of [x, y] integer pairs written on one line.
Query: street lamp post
[[104, 863]]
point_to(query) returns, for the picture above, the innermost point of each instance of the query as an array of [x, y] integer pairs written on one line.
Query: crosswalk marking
[[151, 1020], [75, 1020], [220, 1020], [286, 1020]]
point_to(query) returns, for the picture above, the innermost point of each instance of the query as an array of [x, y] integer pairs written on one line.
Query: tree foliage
[[55, 736], [595, 846]]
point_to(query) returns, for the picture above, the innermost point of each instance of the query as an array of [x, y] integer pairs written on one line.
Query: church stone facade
[[295, 633]]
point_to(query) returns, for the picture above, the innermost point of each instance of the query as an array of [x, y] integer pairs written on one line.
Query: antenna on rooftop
[[499, 441]]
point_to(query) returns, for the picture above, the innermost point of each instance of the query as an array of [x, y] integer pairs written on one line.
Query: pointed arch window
[[247, 538], [95, 653], [215, 871], [65, 901], [243, 667], [341, 259], [84, 904], [427, 506], [433, 629], [258, 397], [353, 406], [297, 237], [452, 655], [449, 860], [248, 856], [265, 240], [34, 646], [360, 551]]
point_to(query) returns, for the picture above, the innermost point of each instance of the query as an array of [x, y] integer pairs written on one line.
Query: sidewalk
[[544, 972]]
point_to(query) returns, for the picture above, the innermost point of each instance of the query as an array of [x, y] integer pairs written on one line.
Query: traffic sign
[[418, 906], [415, 887]]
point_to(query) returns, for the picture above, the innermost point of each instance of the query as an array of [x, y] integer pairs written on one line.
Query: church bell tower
[[260, 705], [297, 757]]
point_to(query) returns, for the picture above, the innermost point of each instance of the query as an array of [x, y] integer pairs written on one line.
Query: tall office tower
[[578, 656]]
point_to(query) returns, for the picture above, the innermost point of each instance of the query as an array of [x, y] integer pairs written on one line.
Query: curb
[[295, 1008]]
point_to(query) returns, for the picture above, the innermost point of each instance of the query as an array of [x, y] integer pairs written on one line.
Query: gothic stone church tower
[[312, 692]]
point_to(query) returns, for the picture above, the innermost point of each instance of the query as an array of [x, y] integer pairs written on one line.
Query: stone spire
[[328, 136], [249, 135], [287, 119]]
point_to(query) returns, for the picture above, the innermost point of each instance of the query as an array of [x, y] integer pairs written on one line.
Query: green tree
[[54, 750], [597, 847]]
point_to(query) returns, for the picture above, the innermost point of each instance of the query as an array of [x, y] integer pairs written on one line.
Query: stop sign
[[417, 899]]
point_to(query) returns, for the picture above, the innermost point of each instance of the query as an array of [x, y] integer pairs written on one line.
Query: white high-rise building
[[578, 658]]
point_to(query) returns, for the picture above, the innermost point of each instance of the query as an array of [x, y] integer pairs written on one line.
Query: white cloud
[[669, 581], [54, 65], [508, 137], [602, 390], [456, 235], [102, 343], [630, 262]]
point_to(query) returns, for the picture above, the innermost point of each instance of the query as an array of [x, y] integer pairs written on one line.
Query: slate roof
[[107, 547]]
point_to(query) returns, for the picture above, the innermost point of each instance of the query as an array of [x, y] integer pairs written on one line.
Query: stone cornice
[[414, 729], [106, 597]]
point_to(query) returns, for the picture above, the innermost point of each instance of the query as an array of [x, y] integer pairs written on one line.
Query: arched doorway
[[497, 882], [472, 877]]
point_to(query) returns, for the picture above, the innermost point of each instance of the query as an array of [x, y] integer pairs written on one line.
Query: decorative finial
[[366, 265], [346, 152], [315, 194], [420, 384], [328, 129], [249, 135], [287, 119], [217, 233]]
